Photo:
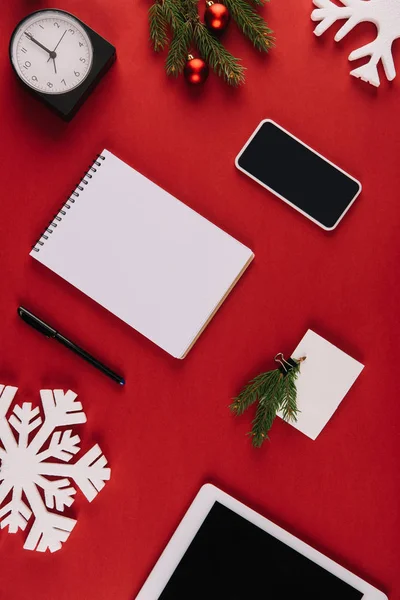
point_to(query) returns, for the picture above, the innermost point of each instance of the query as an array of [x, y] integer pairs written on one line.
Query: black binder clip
[[285, 365]]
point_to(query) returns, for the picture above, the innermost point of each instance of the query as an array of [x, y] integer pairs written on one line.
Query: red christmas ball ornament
[[216, 17], [196, 70]]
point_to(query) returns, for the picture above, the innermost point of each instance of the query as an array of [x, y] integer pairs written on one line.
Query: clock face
[[51, 52]]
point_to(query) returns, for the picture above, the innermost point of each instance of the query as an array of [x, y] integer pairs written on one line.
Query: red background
[[169, 430]]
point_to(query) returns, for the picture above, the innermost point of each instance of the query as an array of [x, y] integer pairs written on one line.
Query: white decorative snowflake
[[385, 14], [24, 467]]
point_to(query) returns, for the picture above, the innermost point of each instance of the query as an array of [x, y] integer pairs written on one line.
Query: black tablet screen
[[299, 175], [232, 559]]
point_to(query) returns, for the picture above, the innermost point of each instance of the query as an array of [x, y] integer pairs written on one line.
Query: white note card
[[325, 377]]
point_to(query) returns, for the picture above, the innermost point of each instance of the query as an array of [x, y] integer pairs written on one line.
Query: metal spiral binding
[[67, 205]]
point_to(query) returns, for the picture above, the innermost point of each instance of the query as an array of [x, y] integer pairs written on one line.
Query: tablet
[[298, 175], [223, 550]]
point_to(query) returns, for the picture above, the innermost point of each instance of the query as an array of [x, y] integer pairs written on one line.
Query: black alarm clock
[[59, 59]]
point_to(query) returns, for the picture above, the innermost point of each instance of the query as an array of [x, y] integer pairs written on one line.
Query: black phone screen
[[305, 179], [233, 559]]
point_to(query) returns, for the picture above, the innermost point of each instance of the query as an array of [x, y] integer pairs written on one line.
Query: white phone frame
[[282, 197], [194, 518]]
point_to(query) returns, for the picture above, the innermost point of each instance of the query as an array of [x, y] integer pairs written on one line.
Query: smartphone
[[298, 175]]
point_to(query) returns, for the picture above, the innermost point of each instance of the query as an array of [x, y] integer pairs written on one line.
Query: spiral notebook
[[142, 254]]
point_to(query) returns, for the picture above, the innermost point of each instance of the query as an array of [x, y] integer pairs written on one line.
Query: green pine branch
[[175, 13], [251, 23], [190, 7], [177, 23], [179, 49], [220, 60], [275, 391], [289, 402], [255, 390], [266, 413], [158, 27], [259, 2]]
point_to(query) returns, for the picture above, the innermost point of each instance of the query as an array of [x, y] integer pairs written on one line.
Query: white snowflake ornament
[[25, 468], [385, 14]]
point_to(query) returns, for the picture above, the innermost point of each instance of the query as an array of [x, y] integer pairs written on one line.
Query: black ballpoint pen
[[50, 332]]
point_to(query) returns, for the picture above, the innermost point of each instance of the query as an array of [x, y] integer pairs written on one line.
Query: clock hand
[[54, 51], [60, 40], [51, 53]]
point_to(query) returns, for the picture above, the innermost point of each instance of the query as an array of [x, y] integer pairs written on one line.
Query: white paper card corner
[[325, 377]]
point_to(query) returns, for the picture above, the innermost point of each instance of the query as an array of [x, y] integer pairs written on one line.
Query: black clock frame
[[104, 54]]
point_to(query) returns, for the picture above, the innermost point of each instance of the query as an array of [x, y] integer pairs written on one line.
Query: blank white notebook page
[[144, 255]]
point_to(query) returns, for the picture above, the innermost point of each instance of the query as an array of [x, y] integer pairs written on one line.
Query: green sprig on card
[[275, 391], [177, 24]]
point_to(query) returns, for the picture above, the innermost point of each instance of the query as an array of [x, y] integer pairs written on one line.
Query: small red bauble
[[196, 70], [216, 17]]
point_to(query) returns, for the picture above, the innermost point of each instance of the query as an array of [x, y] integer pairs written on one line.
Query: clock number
[[63, 81], [81, 44], [41, 26], [82, 59], [56, 24], [27, 64], [49, 84], [34, 78], [72, 31], [24, 50], [77, 74]]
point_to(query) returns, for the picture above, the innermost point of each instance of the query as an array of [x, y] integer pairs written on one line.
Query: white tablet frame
[[194, 518], [282, 197]]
